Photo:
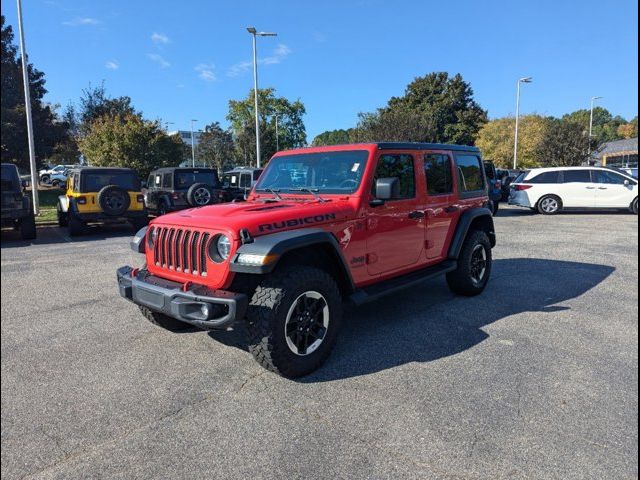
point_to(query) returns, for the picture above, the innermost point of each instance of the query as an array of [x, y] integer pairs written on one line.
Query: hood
[[260, 217]]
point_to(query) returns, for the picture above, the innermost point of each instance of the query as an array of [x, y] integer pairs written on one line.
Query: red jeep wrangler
[[322, 226]]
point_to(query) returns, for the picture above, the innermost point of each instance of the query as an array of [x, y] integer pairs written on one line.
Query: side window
[[76, 182], [158, 181], [256, 175], [437, 168], [166, 180], [546, 177], [401, 167], [150, 181], [245, 180], [470, 173], [577, 176], [602, 176]]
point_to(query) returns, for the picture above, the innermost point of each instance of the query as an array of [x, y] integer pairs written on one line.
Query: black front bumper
[[198, 305]]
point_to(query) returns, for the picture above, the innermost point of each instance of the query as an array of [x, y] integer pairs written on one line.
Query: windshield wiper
[[272, 191], [312, 191]]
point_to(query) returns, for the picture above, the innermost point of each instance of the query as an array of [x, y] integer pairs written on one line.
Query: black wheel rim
[[478, 268], [201, 196], [115, 202], [307, 323]]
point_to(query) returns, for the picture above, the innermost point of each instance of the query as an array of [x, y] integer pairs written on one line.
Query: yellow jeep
[[101, 195]]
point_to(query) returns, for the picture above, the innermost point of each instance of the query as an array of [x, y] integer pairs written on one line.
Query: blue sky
[[179, 60]]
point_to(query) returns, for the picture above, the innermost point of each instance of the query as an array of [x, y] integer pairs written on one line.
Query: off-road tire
[[460, 280], [44, 179], [540, 207], [75, 226], [266, 319], [28, 228], [63, 217], [197, 189], [104, 200], [164, 321]]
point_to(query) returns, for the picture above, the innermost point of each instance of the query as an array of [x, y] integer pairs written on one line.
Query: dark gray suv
[[16, 207]]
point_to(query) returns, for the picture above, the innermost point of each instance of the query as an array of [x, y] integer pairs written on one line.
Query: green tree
[[434, 108], [216, 147], [565, 144], [333, 137], [95, 103], [291, 130], [496, 139], [605, 125], [629, 130], [130, 141], [49, 131]]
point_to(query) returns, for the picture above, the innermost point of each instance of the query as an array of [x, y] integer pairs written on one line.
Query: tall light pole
[[515, 147], [593, 99], [193, 146], [254, 33], [27, 108], [277, 139]]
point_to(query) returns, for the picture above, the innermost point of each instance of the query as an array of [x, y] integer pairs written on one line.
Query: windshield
[[94, 182], [186, 179], [326, 172], [10, 179]]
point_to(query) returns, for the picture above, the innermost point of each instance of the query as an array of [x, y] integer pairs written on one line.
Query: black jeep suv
[[171, 189], [16, 207], [238, 182]]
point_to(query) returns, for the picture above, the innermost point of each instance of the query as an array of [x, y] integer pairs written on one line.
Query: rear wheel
[[164, 321], [62, 216], [28, 228], [634, 207], [293, 320], [549, 205], [474, 266], [44, 179]]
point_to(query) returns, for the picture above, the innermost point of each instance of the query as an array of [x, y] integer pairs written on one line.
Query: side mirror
[[386, 189], [627, 183]]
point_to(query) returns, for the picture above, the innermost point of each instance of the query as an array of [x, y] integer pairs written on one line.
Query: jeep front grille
[[182, 250]]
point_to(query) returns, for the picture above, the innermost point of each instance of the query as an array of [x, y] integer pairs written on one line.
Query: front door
[[441, 213], [611, 191], [395, 229]]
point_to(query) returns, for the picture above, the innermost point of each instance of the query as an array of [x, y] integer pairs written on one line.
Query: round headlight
[[223, 247]]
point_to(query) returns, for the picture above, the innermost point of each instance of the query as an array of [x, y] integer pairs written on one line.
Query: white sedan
[[550, 190]]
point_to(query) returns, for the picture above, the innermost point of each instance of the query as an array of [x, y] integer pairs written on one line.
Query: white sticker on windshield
[[355, 167]]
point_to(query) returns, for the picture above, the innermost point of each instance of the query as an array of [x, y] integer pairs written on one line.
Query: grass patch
[[47, 214], [48, 198]]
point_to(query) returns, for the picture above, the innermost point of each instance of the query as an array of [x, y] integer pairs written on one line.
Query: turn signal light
[[140, 198], [81, 200], [520, 188]]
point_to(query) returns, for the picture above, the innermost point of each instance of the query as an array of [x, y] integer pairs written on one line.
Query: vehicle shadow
[[51, 235], [428, 322]]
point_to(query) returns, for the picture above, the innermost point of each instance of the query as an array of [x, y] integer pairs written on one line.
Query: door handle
[[416, 215], [451, 209], [591, 188], [602, 188]]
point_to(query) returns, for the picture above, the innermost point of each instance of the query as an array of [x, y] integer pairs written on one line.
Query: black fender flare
[[464, 225], [278, 244]]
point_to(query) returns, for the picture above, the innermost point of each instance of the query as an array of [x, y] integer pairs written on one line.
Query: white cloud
[[159, 60], [206, 72], [278, 55], [112, 65], [79, 21], [160, 38]]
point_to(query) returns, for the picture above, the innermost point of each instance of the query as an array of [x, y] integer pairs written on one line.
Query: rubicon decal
[[296, 222]]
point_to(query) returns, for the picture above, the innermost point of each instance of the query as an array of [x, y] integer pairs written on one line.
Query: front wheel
[[62, 216], [293, 320], [474, 266], [75, 225]]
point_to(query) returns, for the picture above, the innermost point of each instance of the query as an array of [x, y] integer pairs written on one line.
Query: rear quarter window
[[470, 174], [546, 177]]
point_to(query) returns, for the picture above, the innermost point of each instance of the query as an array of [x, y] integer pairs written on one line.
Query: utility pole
[[193, 146], [593, 99], [27, 108], [515, 147]]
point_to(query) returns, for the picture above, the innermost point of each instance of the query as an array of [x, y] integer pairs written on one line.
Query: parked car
[[175, 188], [238, 182], [495, 185], [506, 178], [17, 211], [101, 195], [360, 222], [551, 190], [58, 172]]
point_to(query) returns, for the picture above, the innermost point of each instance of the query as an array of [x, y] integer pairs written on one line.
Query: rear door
[[441, 212], [395, 230], [577, 189], [611, 191]]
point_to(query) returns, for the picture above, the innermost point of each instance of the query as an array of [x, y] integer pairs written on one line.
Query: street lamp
[[255, 34], [593, 99], [193, 146], [515, 147], [277, 139]]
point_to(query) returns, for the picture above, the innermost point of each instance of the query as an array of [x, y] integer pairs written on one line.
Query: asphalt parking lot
[[536, 378]]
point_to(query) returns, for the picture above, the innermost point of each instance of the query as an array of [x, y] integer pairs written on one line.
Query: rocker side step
[[374, 292]]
